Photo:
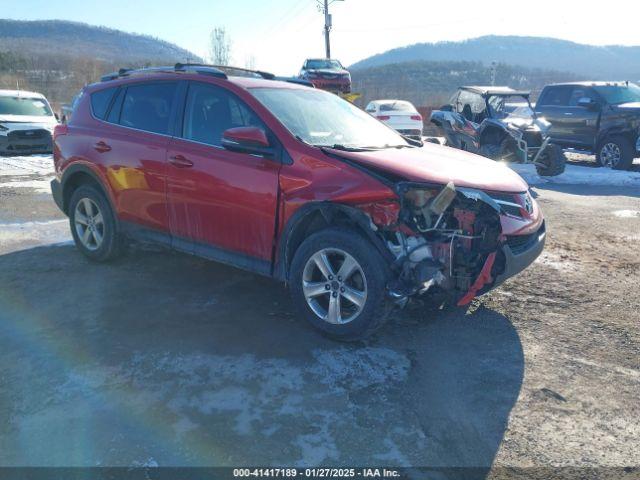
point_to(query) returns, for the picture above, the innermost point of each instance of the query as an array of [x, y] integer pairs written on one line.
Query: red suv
[[290, 182]]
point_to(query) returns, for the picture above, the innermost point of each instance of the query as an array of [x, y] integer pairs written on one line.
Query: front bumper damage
[[451, 241]]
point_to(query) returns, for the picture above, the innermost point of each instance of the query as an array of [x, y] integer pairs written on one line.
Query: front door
[[222, 204]]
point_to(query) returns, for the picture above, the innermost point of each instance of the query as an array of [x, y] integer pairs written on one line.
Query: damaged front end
[[446, 240]]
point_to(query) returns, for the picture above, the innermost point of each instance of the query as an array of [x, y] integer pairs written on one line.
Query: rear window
[[397, 107], [148, 107], [100, 101]]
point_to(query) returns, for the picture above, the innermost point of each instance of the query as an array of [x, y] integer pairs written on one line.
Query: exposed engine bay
[[446, 239]]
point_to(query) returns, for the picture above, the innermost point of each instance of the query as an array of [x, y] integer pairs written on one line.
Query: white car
[[400, 115], [26, 123]]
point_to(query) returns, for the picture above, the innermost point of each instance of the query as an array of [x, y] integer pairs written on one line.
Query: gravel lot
[[165, 359]]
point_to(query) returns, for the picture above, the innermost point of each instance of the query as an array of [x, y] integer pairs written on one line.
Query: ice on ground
[[15, 236], [26, 165], [556, 261], [39, 186], [627, 213], [579, 175]]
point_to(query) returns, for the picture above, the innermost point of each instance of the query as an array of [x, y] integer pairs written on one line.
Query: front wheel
[[616, 152], [338, 281], [551, 162]]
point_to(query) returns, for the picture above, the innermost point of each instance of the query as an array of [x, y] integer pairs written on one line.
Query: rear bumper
[[56, 191], [516, 259]]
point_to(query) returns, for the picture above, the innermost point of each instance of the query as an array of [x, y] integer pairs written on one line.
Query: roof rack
[[177, 68], [219, 71]]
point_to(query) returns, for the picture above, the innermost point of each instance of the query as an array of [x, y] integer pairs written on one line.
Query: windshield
[[506, 106], [35, 107], [318, 64], [324, 119], [616, 94]]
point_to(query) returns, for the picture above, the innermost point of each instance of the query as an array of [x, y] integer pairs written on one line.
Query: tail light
[[60, 129], [416, 117], [383, 117]]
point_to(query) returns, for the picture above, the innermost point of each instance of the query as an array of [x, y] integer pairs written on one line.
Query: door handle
[[102, 147], [180, 161]]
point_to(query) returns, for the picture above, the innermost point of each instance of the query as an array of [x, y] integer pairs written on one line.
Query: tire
[[369, 276], [552, 160], [490, 151], [506, 150], [616, 152], [93, 225]]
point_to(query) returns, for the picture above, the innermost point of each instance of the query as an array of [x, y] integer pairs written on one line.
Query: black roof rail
[[231, 70], [299, 81], [178, 67]]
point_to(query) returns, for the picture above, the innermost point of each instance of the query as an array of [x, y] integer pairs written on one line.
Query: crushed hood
[[439, 164]]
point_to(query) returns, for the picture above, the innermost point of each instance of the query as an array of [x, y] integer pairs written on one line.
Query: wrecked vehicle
[[293, 183], [26, 123], [499, 123]]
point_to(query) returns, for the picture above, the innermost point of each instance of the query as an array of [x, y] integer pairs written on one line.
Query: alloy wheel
[[89, 224], [334, 286], [610, 155]]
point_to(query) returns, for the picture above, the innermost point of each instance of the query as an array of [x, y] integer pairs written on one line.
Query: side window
[[116, 108], [371, 108], [211, 110], [100, 102], [470, 105], [556, 97], [578, 93], [148, 107]]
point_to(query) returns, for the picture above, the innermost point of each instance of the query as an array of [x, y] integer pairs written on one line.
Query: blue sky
[[279, 34]]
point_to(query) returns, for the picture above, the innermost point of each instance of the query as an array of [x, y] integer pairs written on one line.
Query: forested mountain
[[427, 83], [58, 57], [587, 61], [57, 37]]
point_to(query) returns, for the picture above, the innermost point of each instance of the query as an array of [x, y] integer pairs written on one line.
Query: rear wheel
[[93, 224], [616, 152], [337, 282], [551, 162]]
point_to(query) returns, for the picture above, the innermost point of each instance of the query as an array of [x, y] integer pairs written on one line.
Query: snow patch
[[579, 175], [26, 165], [556, 261], [40, 186], [38, 233], [627, 213]]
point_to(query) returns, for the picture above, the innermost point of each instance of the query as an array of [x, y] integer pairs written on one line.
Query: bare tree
[[220, 47], [250, 62]]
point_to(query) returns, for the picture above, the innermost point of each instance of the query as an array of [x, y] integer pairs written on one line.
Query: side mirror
[[588, 103], [57, 116], [446, 108], [252, 140]]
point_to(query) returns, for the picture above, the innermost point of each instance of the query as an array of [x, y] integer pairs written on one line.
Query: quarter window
[[148, 107], [211, 110], [100, 101]]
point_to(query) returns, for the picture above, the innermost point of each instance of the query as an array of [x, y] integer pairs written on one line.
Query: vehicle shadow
[[168, 357]]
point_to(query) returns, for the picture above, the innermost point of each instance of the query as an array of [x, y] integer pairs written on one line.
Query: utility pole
[[323, 7]]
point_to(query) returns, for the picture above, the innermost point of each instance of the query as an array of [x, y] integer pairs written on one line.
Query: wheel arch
[[492, 133], [316, 216], [75, 176]]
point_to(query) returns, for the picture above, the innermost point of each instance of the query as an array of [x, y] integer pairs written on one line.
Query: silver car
[[26, 123]]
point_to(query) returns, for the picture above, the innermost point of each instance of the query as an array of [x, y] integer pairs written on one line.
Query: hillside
[[57, 57], [593, 62], [426, 83], [57, 37]]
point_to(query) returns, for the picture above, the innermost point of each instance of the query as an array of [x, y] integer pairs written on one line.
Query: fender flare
[[83, 168]]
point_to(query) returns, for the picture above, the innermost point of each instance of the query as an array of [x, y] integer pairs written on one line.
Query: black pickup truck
[[602, 118]]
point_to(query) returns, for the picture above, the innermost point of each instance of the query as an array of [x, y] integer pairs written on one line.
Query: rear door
[[222, 203], [131, 147]]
